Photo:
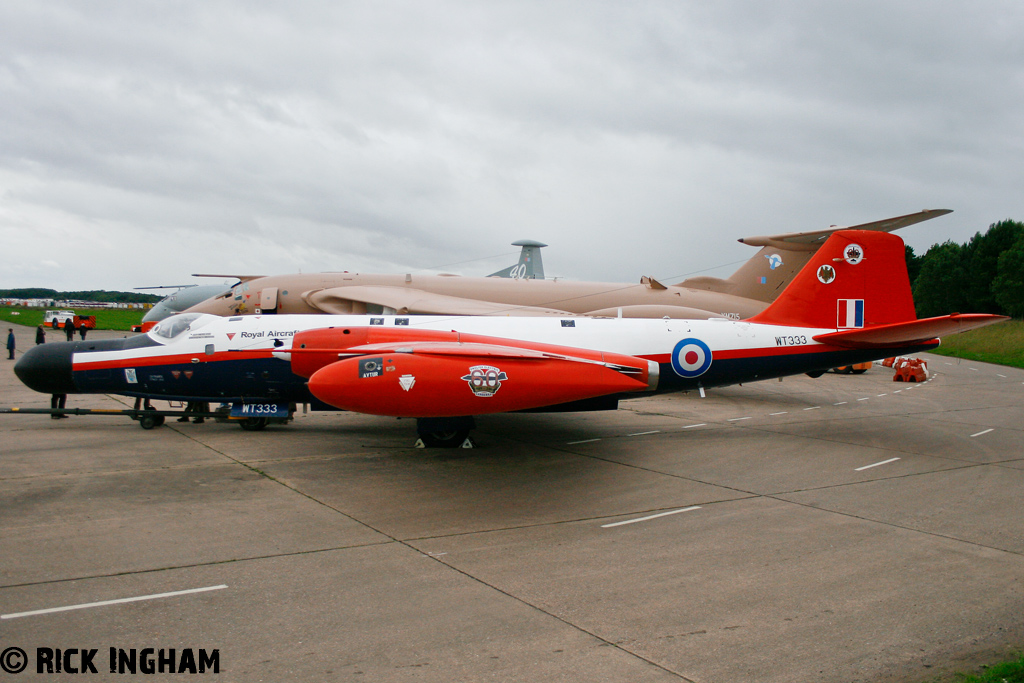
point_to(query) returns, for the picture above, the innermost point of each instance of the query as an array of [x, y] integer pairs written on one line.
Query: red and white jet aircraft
[[851, 303]]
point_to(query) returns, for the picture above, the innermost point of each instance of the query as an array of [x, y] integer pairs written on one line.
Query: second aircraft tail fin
[[530, 265]]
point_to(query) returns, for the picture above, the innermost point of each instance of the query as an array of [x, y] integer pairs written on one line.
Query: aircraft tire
[[253, 424], [151, 421], [859, 372], [447, 439]]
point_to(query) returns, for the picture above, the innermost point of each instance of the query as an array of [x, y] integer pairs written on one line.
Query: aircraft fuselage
[[247, 358]]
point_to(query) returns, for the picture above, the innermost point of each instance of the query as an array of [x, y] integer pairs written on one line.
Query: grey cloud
[[633, 138]]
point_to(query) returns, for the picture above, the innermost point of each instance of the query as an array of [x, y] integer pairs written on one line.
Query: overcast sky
[[141, 142]]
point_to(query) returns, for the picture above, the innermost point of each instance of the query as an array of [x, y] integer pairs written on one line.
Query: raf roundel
[[691, 358]]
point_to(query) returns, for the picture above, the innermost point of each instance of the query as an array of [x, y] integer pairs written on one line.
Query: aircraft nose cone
[[46, 368]]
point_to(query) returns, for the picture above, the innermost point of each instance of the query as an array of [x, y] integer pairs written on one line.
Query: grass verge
[[1002, 344], [1005, 672], [106, 318]]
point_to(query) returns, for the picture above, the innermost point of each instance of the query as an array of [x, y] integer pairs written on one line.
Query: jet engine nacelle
[[425, 385]]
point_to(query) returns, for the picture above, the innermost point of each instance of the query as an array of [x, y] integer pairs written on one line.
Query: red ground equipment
[[910, 370]]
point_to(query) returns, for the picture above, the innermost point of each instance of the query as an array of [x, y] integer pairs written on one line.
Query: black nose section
[[47, 368]]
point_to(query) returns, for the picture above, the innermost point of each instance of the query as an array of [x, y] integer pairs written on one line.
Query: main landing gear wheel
[[444, 432], [452, 439], [150, 421], [254, 424]]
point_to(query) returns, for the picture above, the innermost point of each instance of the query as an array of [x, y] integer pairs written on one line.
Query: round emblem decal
[[853, 254], [691, 358], [485, 380], [826, 274]]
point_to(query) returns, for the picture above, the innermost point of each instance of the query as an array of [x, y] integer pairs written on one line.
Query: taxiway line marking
[[881, 395], [984, 431], [998, 375], [655, 431], [812, 408], [702, 424], [884, 462], [649, 517], [841, 403], [784, 412], [119, 601], [737, 419], [864, 399], [572, 443]]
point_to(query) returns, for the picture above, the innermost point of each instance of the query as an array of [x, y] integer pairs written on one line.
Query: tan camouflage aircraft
[[514, 291]]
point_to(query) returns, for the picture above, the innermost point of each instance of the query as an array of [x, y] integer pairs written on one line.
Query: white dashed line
[[644, 519], [841, 403], [812, 408], [881, 395], [737, 419], [655, 431], [998, 375], [864, 399], [110, 602], [884, 462], [702, 424], [784, 412], [985, 431], [573, 443]]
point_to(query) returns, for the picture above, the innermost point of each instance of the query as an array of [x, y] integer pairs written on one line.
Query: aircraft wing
[[416, 301], [908, 332], [241, 278], [809, 241], [485, 351]]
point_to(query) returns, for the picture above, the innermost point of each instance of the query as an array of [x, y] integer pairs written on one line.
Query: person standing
[[40, 335], [81, 331], [58, 401], [10, 343], [69, 329]]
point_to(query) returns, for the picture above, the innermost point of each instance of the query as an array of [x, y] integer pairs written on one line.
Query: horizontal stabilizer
[[243, 278], [809, 241], [910, 332]]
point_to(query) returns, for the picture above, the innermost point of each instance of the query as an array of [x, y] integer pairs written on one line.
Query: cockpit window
[[169, 328]]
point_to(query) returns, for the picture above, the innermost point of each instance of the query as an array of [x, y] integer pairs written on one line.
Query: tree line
[[984, 275], [90, 295]]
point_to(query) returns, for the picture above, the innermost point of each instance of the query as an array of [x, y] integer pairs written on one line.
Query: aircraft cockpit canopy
[[171, 328]]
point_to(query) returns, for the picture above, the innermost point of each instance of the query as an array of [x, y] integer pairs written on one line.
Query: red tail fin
[[857, 279]]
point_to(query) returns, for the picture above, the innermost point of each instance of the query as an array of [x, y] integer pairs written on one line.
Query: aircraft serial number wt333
[[795, 340]]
